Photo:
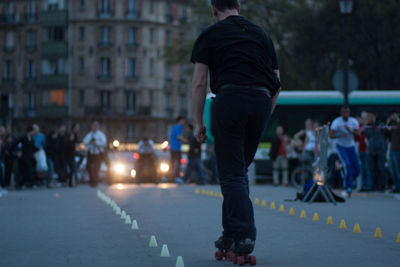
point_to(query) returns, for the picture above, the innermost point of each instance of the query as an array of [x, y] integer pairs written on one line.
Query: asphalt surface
[[74, 227]]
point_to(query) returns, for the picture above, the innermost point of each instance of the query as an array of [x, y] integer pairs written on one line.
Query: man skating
[[244, 75]]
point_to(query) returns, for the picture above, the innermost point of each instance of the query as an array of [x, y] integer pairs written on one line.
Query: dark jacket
[[51, 148], [376, 139], [28, 148], [273, 152]]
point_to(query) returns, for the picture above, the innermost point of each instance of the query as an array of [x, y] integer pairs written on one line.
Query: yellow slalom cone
[[315, 217], [398, 238], [135, 225], [128, 220], [216, 194], [272, 206], [291, 211], [256, 201], [329, 220], [164, 251], [378, 233], [153, 242], [281, 208], [303, 214], [357, 229], [263, 203], [179, 262], [342, 225], [220, 195], [197, 191], [203, 191]]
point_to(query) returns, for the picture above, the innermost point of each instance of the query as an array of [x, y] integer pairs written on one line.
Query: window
[[31, 101], [132, 8], [81, 97], [181, 14], [131, 67], [151, 67], [168, 75], [54, 66], [8, 70], [151, 6], [56, 33], [169, 15], [105, 35], [105, 8], [57, 97], [31, 39], [82, 3], [81, 64], [54, 4], [168, 108], [168, 39], [81, 33], [131, 101], [182, 103], [105, 67], [9, 41], [151, 35], [105, 99], [10, 16], [132, 36], [31, 12], [30, 69]]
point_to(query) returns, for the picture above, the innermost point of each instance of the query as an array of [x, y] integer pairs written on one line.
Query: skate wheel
[[218, 255], [240, 260], [234, 259], [252, 260]]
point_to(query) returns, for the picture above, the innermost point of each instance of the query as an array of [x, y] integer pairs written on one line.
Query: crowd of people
[[358, 146]]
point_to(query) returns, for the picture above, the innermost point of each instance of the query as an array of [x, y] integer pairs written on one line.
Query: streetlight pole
[[346, 7]]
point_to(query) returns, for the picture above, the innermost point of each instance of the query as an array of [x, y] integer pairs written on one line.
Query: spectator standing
[[309, 140], [9, 157], [176, 139], [362, 153], [279, 159], [394, 132], [38, 138], [51, 155], [194, 156], [60, 156], [343, 130], [95, 142], [2, 167], [69, 154]]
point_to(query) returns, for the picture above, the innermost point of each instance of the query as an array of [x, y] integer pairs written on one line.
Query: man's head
[[345, 112], [75, 127], [279, 131], [308, 124], [2, 131], [222, 6], [36, 129], [29, 130], [95, 126], [62, 129], [181, 120], [371, 118]]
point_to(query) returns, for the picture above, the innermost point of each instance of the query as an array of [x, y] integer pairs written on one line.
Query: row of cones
[[134, 226], [329, 221]]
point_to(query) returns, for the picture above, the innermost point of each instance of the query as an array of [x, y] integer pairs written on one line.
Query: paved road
[[73, 227]]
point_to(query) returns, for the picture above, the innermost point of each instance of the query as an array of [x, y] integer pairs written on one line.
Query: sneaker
[[223, 242], [179, 180], [243, 246]]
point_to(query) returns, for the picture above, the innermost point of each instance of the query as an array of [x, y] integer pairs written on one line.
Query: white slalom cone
[[118, 211], [135, 225], [153, 242], [179, 262], [123, 215], [128, 220], [164, 251]]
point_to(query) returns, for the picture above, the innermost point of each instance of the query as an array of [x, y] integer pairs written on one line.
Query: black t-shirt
[[237, 52]]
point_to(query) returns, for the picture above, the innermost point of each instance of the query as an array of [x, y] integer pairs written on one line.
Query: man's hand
[[200, 133]]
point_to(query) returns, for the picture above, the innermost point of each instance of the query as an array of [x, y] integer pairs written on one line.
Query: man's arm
[[275, 98], [199, 92]]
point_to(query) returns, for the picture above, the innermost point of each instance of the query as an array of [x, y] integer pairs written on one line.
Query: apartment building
[[84, 60]]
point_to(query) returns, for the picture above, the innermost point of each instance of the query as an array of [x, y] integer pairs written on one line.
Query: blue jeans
[[365, 172], [395, 161], [195, 164], [349, 158], [239, 117], [50, 170]]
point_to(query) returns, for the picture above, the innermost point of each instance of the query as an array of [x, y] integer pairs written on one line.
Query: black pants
[[27, 172], [93, 166], [240, 115], [8, 166], [175, 163]]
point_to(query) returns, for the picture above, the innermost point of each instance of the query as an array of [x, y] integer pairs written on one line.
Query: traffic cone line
[[272, 206], [356, 228], [153, 242], [281, 208], [291, 211], [216, 194], [135, 225], [303, 214], [128, 220], [378, 233], [342, 224], [398, 238], [329, 220], [164, 251], [179, 262], [263, 203], [203, 191], [315, 217]]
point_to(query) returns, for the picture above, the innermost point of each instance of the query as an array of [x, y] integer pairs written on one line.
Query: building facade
[[83, 60]]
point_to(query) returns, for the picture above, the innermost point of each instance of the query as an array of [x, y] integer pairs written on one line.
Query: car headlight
[[119, 168], [133, 173], [164, 167]]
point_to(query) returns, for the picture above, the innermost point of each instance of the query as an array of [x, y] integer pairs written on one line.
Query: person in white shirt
[[343, 130], [95, 142], [146, 146]]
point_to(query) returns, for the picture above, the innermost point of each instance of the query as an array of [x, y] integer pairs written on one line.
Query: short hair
[[191, 127], [223, 5], [180, 117], [344, 107], [29, 129]]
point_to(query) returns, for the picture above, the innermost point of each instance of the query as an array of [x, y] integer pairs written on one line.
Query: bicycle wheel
[[300, 175]]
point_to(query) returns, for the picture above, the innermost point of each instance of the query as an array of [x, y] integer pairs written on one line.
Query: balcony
[[132, 14], [51, 111], [54, 18], [105, 77], [59, 81], [169, 18], [105, 13], [98, 110], [8, 81], [31, 47], [105, 44], [8, 49], [54, 49], [131, 78]]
